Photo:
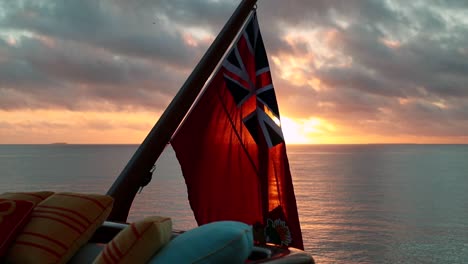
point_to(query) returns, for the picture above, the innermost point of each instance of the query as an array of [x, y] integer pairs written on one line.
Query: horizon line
[[287, 144]]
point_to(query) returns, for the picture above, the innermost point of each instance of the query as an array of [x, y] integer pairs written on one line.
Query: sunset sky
[[349, 71]]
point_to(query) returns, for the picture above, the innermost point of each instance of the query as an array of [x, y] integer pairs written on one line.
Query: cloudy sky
[[345, 71]]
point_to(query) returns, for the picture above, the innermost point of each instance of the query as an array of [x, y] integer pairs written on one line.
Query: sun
[[311, 130], [292, 132], [295, 132]]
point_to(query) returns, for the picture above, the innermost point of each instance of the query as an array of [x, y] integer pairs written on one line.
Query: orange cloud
[[393, 44], [46, 126]]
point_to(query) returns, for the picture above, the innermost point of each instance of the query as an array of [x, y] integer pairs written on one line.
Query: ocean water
[[357, 203]]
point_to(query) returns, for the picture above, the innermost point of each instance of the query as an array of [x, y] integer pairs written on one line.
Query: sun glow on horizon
[[305, 131], [74, 127]]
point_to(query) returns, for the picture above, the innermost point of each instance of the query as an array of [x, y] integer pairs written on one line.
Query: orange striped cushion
[[59, 226], [138, 242], [35, 197]]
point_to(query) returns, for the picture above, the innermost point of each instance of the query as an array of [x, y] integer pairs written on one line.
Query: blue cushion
[[218, 242]]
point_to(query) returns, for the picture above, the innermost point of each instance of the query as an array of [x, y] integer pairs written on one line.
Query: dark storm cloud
[[67, 74], [213, 14], [101, 24], [15, 71], [424, 61]]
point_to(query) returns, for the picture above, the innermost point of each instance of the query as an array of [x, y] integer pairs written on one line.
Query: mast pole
[[135, 173]]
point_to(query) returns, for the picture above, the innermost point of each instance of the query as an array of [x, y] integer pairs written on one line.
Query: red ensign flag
[[231, 147]]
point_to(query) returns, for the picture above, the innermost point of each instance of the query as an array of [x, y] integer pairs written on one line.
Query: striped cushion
[[14, 214], [35, 197], [59, 226], [138, 242]]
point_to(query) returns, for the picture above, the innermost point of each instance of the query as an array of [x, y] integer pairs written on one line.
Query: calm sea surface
[[357, 203]]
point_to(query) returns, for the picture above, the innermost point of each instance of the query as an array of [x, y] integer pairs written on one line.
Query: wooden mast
[[136, 173]]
